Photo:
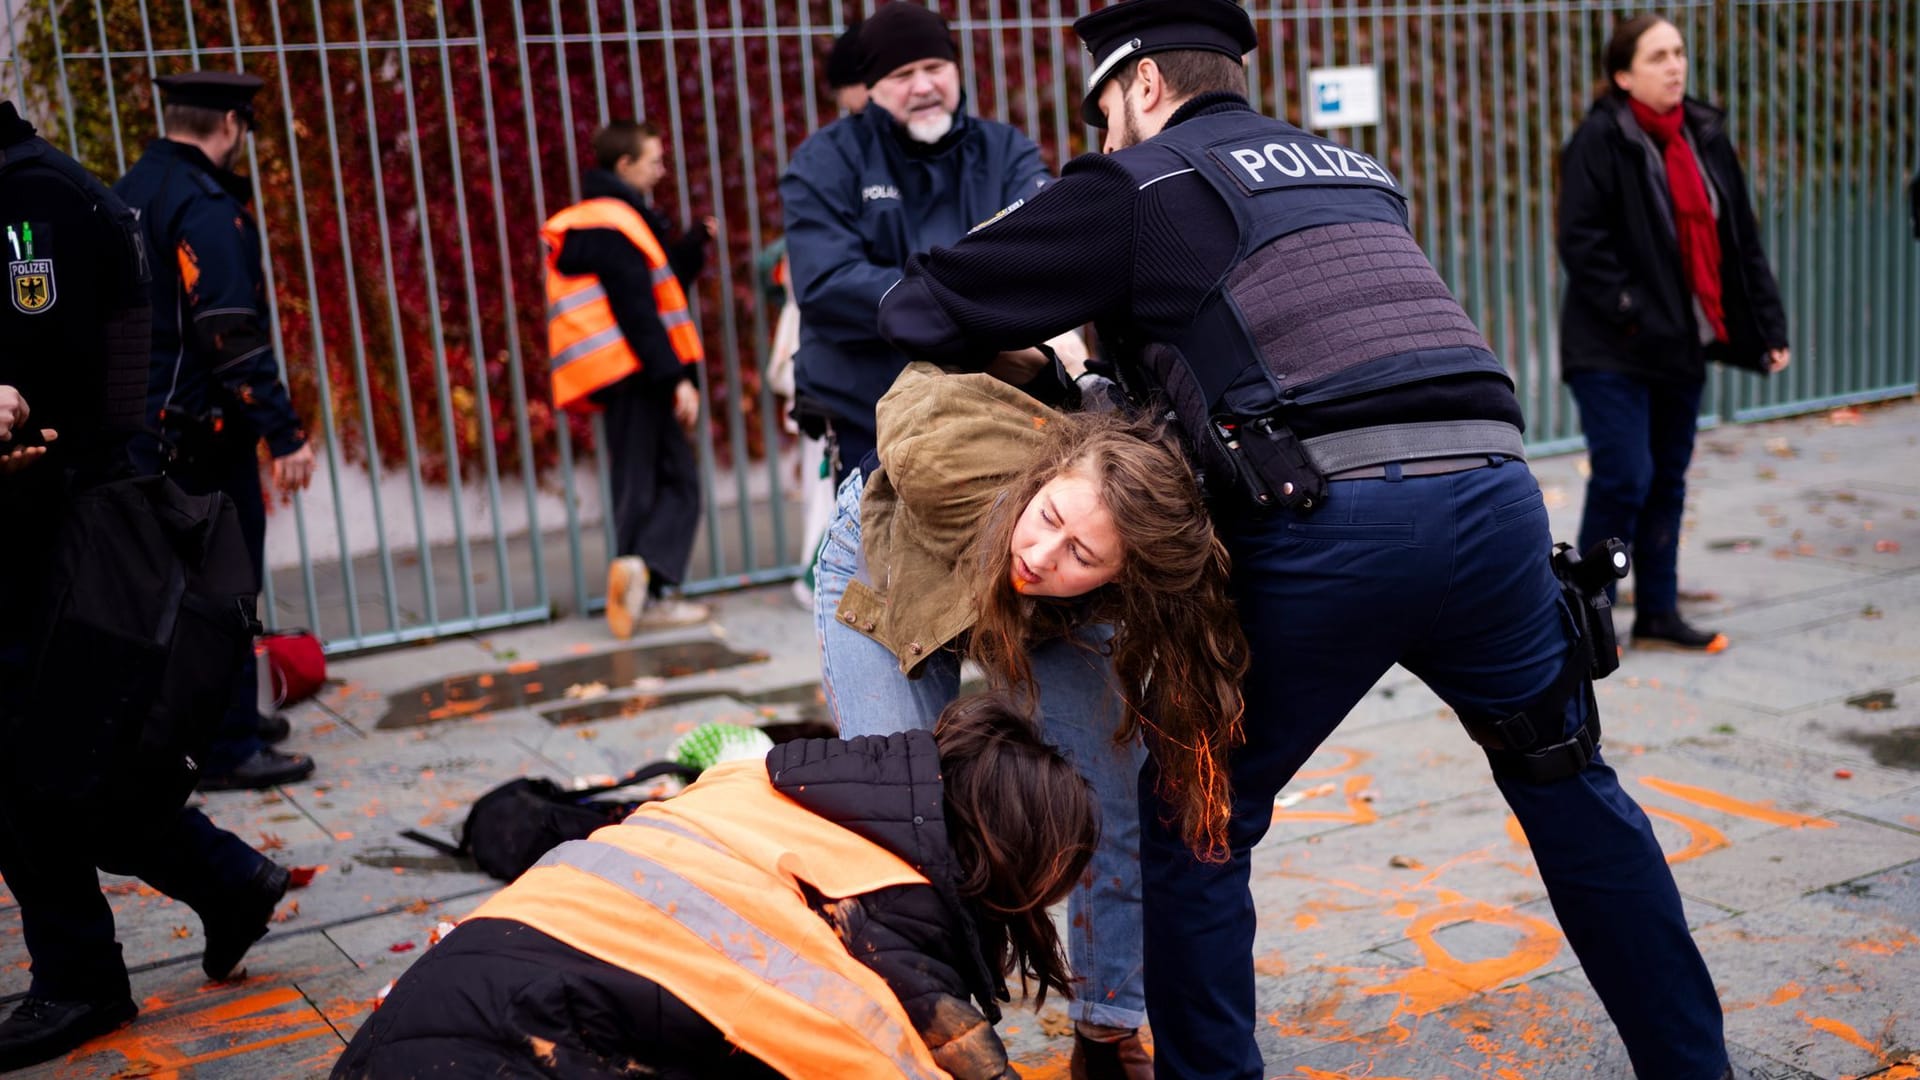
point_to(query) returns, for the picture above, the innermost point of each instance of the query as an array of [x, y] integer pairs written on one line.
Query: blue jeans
[[1448, 576], [1080, 710], [1640, 442]]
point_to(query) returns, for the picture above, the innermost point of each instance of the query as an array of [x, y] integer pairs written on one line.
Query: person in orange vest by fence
[[844, 908], [620, 339]]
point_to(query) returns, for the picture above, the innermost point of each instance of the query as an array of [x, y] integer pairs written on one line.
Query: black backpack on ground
[[513, 825], [149, 615]]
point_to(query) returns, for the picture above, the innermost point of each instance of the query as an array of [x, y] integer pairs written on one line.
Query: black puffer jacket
[[920, 938], [499, 998], [1627, 306]]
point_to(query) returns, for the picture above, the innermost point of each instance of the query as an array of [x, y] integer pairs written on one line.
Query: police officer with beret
[[74, 333], [1362, 451], [213, 388]]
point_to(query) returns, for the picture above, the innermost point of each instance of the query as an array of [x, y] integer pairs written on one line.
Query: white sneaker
[[626, 594], [673, 611]]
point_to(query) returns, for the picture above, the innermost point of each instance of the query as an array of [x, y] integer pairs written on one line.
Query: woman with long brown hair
[[1070, 556]]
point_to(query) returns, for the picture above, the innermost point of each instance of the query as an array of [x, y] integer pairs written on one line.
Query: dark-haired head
[[1023, 825], [1646, 59]]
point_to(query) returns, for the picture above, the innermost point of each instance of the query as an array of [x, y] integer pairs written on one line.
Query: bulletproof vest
[[130, 325], [1328, 297]]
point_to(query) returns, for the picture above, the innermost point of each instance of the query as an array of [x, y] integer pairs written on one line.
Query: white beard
[[930, 130]]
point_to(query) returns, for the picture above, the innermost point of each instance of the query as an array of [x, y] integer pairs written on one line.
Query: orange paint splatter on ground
[[1727, 804], [521, 667], [484, 681], [1884, 946], [1701, 837], [1786, 993], [1447, 980], [157, 1043], [1517, 834], [457, 708], [1358, 812], [1305, 921], [1351, 759], [581, 649], [1841, 1030], [1405, 909], [1311, 1073], [1270, 963]]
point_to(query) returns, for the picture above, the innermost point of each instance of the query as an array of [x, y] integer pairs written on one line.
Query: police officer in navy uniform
[[74, 331], [1362, 451], [213, 389]]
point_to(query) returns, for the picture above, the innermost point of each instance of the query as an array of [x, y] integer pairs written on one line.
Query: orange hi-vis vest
[[585, 348], [701, 894]]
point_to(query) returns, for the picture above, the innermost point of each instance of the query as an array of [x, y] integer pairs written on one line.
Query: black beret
[[221, 90], [901, 33], [1126, 31], [843, 62]]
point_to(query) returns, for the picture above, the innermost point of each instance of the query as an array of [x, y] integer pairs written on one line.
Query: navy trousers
[[1449, 576], [48, 859], [1640, 442]]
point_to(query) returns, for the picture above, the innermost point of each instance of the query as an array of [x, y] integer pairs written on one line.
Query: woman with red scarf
[[1664, 273]]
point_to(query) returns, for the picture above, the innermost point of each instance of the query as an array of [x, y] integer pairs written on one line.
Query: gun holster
[[1270, 464], [1584, 580]]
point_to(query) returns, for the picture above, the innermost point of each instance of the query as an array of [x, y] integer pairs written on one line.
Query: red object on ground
[[401, 946], [1844, 774], [297, 664]]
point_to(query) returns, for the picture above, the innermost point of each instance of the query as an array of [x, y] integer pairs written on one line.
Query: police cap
[[222, 91], [1132, 29]]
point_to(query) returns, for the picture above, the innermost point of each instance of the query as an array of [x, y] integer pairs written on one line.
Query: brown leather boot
[[1126, 1059]]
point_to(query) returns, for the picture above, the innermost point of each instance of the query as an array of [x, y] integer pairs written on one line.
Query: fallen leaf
[[1886, 546], [419, 907], [182, 932], [1056, 1024], [287, 911], [272, 842], [586, 691], [1406, 862]]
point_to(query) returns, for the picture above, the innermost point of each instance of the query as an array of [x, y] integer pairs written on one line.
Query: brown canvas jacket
[[948, 444]]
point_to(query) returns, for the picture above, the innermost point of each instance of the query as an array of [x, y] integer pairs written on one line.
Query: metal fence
[[408, 151]]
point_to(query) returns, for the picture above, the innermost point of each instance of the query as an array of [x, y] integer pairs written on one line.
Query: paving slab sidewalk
[[1404, 931]]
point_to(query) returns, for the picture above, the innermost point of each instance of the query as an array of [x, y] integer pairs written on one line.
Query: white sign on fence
[[1343, 97]]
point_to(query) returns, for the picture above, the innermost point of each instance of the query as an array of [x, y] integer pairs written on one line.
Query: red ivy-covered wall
[[381, 252]]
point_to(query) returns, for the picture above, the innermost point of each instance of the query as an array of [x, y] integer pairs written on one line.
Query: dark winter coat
[[499, 998], [1628, 307], [212, 342], [859, 197], [624, 273]]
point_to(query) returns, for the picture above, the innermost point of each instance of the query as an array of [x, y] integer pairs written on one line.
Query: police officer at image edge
[[213, 385], [74, 332], [1361, 446]]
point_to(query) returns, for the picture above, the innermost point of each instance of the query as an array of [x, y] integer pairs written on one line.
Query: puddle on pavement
[[804, 702], [529, 683], [1899, 748]]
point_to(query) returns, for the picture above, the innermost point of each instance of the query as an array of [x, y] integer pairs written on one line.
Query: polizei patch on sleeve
[[30, 282], [1266, 164]]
